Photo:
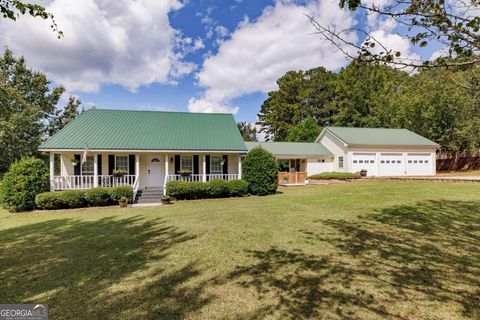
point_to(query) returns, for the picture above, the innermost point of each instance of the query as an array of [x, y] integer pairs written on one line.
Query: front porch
[[141, 170]]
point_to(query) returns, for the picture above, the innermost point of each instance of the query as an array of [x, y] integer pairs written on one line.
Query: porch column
[[52, 171], [239, 167], [204, 168], [95, 170], [167, 159], [137, 165]]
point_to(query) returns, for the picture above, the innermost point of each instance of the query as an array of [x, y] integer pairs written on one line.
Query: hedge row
[[335, 176], [95, 197], [216, 188]]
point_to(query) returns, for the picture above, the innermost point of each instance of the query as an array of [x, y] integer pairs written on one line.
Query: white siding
[[66, 166], [315, 166], [388, 153], [338, 148]]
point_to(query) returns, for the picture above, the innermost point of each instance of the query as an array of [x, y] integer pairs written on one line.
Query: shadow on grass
[[103, 269], [401, 262]]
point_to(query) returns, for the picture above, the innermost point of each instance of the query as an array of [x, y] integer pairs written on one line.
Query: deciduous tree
[[307, 131], [27, 102]]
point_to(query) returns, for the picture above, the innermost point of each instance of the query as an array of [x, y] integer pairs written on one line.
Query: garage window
[[426, 161], [340, 162], [372, 161], [355, 161]]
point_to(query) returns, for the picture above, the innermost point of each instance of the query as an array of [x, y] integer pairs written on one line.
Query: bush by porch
[[71, 199], [216, 188]]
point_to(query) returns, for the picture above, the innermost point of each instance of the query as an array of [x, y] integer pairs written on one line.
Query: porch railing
[[285, 178], [88, 182], [200, 177]]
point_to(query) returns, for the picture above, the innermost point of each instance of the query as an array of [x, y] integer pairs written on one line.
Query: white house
[[151, 148]]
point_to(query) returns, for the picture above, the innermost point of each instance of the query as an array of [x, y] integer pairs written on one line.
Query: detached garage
[[382, 152]]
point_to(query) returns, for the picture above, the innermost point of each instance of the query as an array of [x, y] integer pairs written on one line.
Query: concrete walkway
[[436, 178], [142, 205]]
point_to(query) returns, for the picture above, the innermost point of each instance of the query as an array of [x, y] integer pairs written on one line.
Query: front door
[[156, 176]]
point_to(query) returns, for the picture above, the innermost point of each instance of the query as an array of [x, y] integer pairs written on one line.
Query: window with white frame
[[186, 163], [216, 166], [88, 167], [121, 163], [340, 162]]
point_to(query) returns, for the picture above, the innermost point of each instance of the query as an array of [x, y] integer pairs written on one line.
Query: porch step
[[150, 195]]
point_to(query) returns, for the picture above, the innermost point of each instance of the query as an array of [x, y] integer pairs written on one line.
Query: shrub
[[182, 190], [217, 188], [98, 197], [117, 193], [237, 188], [260, 170], [49, 201], [82, 198], [335, 176], [73, 199], [23, 181]]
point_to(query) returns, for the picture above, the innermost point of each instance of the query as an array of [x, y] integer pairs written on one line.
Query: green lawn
[[359, 250]]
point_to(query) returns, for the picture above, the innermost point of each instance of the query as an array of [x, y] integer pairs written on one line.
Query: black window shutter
[[76, 169], [195, 164], [207, 160], [99, 164], [111, 163], [177, 163], [225, 164], [131, 164]]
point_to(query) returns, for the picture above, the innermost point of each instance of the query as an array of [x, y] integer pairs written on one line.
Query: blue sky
[[199, 56], [190, 19]]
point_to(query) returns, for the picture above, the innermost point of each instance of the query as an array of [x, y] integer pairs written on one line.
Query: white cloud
[[129, 43], [259, 52], [395, 43]]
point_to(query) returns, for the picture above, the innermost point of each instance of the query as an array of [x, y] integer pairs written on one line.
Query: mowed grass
[[359, 250]]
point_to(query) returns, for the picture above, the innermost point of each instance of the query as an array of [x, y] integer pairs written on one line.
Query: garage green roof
[[107, 129], [299, 149], [380, 137]]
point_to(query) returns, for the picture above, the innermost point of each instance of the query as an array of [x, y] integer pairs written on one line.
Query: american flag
[[84, 156]]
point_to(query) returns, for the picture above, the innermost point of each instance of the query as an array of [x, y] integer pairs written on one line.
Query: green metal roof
[[380, 137], [148, 130], [292, 148]]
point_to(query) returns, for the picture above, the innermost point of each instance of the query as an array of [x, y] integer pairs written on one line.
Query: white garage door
[[365, 161], [419, 164], [391, 165]]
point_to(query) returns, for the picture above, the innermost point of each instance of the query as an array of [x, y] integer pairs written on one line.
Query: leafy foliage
[[453, 24], [71, 199], [237, 188], [27, 103], [248, 131], [25, 179], [260, 169], [335, 176], [63, 117], [300, 94], [118, 192], [11, 9], [307, 131], [98, 197], [442, 104], [216, 188]]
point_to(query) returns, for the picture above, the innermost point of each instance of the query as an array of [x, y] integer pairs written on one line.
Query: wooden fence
[[291, 178]]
